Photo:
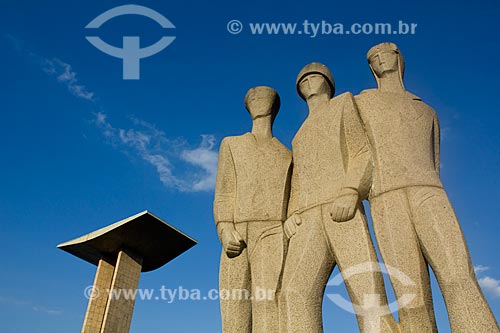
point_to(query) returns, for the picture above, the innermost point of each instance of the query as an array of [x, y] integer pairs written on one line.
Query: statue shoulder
[[282, 148], [366, 92], [421, 105], [412, 96], [342, 100], [236, 139], [365, 95], [345, 97]]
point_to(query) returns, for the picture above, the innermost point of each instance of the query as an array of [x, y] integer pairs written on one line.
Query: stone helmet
[[384, 47], [315, 68], [269, 95]]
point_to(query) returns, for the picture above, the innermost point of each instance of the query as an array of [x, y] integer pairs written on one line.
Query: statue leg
[[266, 261], [444, 247], [400, 249], [357, 260], [308, 265], [234, 280]]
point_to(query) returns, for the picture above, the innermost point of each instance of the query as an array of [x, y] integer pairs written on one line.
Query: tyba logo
[[131, 52]]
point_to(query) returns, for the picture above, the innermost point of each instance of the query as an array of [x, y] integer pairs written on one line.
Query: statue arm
[[437, 145], [357, 151], [356, 155], [293, 216], [225, 188], [293, 204]]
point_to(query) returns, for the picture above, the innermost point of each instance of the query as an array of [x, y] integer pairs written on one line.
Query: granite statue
[[413, 219], [331, 171], [250, 205]]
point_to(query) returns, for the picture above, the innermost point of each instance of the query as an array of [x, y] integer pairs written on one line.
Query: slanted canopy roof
[[144, 234]]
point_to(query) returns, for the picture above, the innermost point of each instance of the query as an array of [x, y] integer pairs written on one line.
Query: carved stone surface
[[251, 199], [284, 225], [331, 165], [414, 221], [142, 242]]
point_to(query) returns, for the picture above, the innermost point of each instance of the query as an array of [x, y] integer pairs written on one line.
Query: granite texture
[[250, 204], [331, 173], [286, 220], [413, 219]]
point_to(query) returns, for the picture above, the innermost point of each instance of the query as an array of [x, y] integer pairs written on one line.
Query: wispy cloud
[[24, 304], [490, 286], [480, 269], [67, 76], [63, 71], [179, 165], [47, 311], [206, 158]]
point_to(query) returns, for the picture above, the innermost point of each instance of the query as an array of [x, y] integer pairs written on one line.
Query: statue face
[[260, 105], [314, 84], [384, 62]]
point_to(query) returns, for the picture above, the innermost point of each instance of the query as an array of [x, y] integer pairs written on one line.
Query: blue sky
[[82, 148]]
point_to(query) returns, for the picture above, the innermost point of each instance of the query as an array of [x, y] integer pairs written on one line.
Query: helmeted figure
[[413, 219], [251, 199], [331, 174]]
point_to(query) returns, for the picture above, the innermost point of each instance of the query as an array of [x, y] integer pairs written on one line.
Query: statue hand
[[344, 206], [232, 242], [290, 226]]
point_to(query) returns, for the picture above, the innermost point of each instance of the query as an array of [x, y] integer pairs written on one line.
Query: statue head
[[385, 58], [262, 101], [315, 79]]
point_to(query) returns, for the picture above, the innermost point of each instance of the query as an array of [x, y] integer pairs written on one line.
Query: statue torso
[[400, 128]]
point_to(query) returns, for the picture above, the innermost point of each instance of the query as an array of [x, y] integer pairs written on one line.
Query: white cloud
[[67, 76], [206, 158], [47, 311], [480, 269], [63, 71], [490, 286], [178, 165]]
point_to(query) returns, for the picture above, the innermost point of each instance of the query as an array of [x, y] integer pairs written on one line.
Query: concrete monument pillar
[[98, 301], [121, 251], [118, 312]]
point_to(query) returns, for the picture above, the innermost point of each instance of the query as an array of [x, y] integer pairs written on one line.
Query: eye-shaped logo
[[131, 51]]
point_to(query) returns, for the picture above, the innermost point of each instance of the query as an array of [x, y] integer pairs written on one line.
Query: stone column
[[121, 251], [121, 299], [99, 297]]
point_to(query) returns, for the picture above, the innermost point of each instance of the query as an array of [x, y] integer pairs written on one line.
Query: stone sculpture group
[[286, 219]]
